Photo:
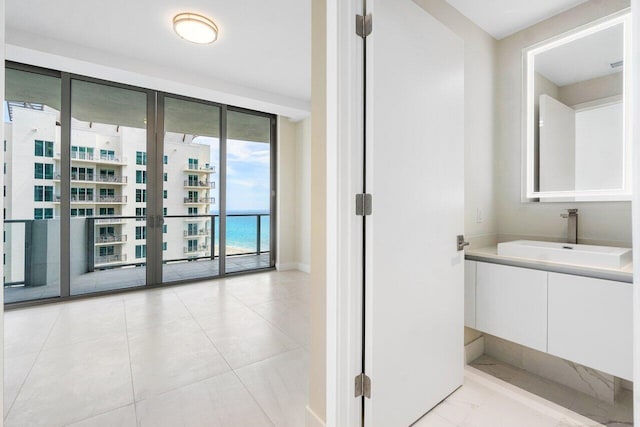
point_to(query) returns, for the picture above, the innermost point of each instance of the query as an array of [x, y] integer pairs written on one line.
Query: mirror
[[577, 146]]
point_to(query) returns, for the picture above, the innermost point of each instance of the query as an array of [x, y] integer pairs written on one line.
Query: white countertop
[[490, 254]]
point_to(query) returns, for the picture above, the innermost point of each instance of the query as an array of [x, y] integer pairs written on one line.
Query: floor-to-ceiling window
[[108, 187], [129, 187], [32, 178], [190, 185], [248, 191]]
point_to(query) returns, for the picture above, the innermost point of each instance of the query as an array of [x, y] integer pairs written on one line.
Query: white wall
[[303, 195], [479, 122], [317, 405], [286, 176], [294, 198], [599, 222], [591, 90]]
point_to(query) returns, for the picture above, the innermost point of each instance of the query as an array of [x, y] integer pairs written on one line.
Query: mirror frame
[[528, 148]]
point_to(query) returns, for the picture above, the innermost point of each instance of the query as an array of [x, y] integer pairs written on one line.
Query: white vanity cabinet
[[511, 303], [470, 293], [591, 323], [585, 320]]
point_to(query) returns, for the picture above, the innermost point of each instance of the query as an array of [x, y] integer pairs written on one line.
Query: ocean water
[[242, 231]]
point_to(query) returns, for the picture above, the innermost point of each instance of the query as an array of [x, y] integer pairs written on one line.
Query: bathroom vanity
[[578, 313]]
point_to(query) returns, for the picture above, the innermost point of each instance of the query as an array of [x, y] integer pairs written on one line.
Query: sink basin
[[586, 255]]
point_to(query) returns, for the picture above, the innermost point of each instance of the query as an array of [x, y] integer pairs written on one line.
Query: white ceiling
[[263, 45], [583, 59], [501, 18]]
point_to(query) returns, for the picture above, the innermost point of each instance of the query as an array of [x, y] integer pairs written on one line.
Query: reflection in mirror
[[576, 144]]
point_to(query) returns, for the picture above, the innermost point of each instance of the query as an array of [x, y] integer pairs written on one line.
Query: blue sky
[[248, 178]]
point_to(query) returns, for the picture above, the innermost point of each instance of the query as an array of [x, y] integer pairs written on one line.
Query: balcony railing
[[95, 199], [200, 200], [191, 167], [195, 233], [111, 238], [81, 156], [114, 179], [107, 179], [111, 159], [25, 237], [93, 157], [199, 184], [80, 198], [112, 199], [110, 259], [193, 250], [114, 220]]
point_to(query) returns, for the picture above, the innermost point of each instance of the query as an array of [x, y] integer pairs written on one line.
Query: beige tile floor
[[487, 401], [226, 353], [229, 352]]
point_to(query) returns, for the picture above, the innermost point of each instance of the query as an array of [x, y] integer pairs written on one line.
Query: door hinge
[[363, 386], [364, 25], [363, 204]]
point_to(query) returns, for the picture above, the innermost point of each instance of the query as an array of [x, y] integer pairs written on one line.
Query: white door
[[414, 309]]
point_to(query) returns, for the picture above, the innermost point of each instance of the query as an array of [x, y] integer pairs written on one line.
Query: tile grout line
[[276, 327], [227, 362], [133, 387], [31, 368], [205, 334], [119, 407], [273, 325], [97, 415]]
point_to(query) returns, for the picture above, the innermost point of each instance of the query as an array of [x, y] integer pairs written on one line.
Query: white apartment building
[[108, 182]]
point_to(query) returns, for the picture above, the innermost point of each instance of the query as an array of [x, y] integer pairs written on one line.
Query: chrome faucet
[[572, 229]]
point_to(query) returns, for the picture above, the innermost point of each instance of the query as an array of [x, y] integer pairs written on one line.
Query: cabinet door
[[591, 323], [470, 294], [511, 303]]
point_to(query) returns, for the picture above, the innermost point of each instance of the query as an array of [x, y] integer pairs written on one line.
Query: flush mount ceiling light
[[195, 28]]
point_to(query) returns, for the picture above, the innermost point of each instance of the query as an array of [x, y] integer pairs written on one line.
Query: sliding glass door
[[191, 154], [110, 186], [249, 191]]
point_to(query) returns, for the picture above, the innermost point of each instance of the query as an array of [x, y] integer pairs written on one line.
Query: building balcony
[[199, 200], [196, 233], [110, 221], [81, 156], [190, 167], [92, 199], [86, 199], [109, 259], [195, 250], [111, 239], [111, 199], [199, 184], [111, 160], [114, 180], [111, 179], [95, 158]]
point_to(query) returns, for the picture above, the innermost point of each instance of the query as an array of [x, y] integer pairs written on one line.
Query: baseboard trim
[[306, 268], [312, 419], [473, 350], [284, 266]]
